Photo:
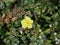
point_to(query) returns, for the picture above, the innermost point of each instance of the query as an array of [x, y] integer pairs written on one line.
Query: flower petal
[[23, 22], [27, 18], [30, 26], [31, 21]]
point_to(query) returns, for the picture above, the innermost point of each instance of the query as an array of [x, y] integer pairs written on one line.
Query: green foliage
[[46, 26]]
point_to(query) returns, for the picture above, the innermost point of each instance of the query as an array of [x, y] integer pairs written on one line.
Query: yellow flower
[[27, 22]]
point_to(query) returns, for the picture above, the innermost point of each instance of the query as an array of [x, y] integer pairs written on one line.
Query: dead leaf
[[9, 14], [13, 19], [3, 16], [7, 19], [21, 30]]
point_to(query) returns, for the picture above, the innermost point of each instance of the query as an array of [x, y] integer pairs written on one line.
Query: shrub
[[45, 29]]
